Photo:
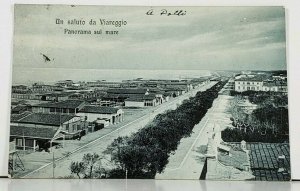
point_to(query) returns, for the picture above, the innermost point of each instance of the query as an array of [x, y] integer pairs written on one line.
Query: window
[[52, 110], [67, 127], [29, 142], [19, 142]]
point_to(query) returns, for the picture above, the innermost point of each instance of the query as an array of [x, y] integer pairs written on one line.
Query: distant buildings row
[[260, 82], [139, 93], [42, 113]]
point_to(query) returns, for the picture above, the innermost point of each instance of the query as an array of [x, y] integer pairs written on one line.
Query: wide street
[[101, 143], [188, 160]]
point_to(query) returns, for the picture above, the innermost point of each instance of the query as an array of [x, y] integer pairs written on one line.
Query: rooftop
[[44, 119], [34, 132], [141, 97], [127, 91], [263, 160], [71, 104], [257, 78], [98, 109], [16, 117], [19, 108]]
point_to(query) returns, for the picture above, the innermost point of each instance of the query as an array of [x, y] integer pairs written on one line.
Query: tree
[[77, 168], [85, 168], [90, 160]]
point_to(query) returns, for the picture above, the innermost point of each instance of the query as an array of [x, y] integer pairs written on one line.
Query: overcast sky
[[206, 38]]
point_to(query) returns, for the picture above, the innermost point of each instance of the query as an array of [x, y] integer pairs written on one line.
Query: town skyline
[[23, 75]]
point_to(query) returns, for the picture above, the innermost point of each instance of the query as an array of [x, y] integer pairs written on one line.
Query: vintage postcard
[[149, 93]]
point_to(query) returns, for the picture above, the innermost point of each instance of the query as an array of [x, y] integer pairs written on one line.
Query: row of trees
[[263, 98], [146, 152], [267, 123]]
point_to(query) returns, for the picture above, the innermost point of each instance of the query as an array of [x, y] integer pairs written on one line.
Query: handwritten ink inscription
[[165, 12]]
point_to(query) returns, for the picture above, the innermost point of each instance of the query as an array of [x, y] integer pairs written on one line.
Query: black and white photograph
[[137, 92]]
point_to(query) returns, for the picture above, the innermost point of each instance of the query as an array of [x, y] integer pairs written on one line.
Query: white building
[[246, 84], [94, 113], [258, 83], [146, 100]]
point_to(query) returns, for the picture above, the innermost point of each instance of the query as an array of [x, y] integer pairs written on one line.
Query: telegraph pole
[[53, 165]]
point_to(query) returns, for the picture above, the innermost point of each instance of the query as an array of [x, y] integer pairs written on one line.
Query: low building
[[143, 101], [42, 88], [182, 85], [28, 96], [64, 83], [119, 95], [32, 131], [93, 113], [63, 107], [63, 96], [104, 121], [103, 84], [21, 89]]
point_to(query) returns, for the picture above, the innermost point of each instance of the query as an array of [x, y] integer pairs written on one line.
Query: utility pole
[[53, 167]]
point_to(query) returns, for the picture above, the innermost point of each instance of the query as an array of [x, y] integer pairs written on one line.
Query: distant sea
[[28, 76]]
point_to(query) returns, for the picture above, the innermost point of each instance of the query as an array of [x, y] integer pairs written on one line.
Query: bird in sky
[[46, 58]]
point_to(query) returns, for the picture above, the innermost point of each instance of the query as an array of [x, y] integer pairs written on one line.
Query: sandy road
[[100, 144], [188, 160]]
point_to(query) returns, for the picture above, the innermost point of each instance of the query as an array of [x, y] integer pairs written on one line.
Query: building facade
[[94, 113]]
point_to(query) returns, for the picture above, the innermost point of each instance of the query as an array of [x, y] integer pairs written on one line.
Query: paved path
[[100, 144], [188, 160]]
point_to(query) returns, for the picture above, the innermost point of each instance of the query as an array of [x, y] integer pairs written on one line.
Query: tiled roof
[[98, 109], [33, 132], [112, 96], [45, 119], [175, 89], [258, 78], [149, 97], [126, 91], [65, 94], [19, 108], [71, 104], [16, 117], [138, 99], [269, 84], [264, 163], [141, 98]]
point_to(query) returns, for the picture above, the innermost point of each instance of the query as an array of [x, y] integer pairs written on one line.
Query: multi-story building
[[246, 84], [259, 83]]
